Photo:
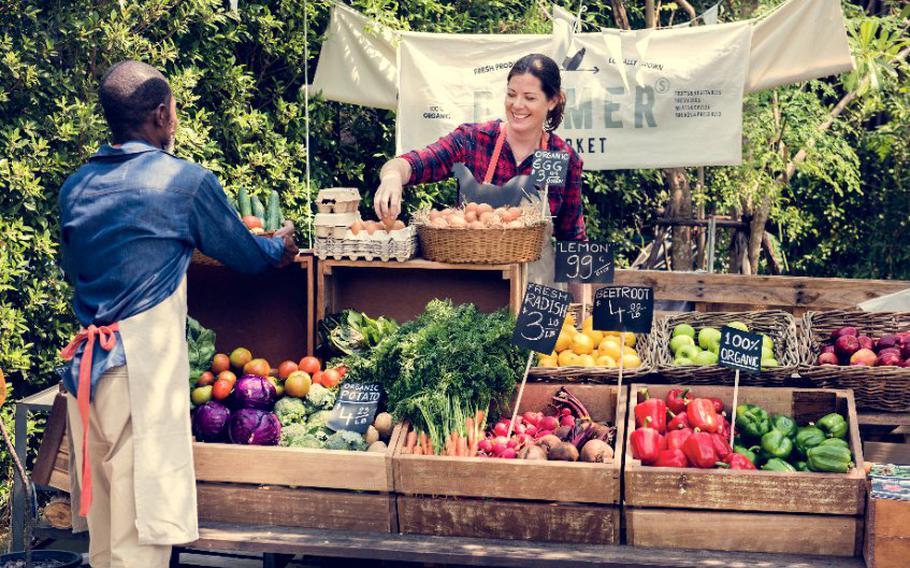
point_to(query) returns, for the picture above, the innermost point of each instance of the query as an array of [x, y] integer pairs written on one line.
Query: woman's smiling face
[[526, 104]]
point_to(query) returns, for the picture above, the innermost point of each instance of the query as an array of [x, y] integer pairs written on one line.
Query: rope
[[306, 122]]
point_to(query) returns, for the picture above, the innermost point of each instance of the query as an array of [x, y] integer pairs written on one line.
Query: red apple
[[828, 359], [828, 349], [889, 359], [863, 357], [846, 346], [886, 341], [905, 351], [865, 342], [844, 331], [892, 350]]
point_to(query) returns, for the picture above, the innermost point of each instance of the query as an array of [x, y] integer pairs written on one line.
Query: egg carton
[[400, 245], [337, 200]]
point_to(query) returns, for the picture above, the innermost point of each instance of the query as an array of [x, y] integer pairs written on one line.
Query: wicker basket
[[482, 246], [607, 375], [205, 260], [779, 325], [875, 388]]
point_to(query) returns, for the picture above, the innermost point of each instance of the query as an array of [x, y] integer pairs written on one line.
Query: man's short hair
[[129, 91]]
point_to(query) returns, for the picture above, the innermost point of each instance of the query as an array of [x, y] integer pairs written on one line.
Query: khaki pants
[[114, 539]]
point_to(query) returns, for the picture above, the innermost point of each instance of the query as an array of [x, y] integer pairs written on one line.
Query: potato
[[377, 447], [383, 424], [371, 435]]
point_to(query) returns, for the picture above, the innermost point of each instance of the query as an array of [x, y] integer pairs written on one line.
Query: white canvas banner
[[638, 99]]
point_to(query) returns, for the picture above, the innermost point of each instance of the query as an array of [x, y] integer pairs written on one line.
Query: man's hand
[[286, 232], [387, 201]]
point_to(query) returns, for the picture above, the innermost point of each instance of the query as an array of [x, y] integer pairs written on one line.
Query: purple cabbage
[[255, 427], [210, 422], [253, 391]]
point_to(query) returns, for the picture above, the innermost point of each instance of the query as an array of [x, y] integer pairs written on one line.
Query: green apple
[[769, 363], [688, 352], [738, 325], [708, 337], [684, 329], [683, 361], [766, 341], [706, 358], [766, 353], [680, 341]]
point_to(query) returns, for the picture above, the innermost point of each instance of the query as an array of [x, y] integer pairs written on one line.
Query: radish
[[521, 429], [531, 430], [567, 420], [508, 454], [501, 429], [485, 445], [541, 433], [512, 442], [548, 423], [565, 412], [532, 418]]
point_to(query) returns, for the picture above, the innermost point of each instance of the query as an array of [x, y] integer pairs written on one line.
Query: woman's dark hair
[[546, 70]]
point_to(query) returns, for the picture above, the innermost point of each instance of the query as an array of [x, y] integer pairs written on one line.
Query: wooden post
[[733, 413]]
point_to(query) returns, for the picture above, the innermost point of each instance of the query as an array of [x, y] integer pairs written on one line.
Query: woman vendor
[[499, 151]]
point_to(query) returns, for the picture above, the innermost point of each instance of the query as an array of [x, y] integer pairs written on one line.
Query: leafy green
[[351, 332], [200, 344]]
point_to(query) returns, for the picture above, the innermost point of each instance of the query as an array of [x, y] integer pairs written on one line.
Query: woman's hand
[[387, 201]]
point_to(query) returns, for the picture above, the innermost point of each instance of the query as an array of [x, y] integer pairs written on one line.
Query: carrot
[[411, 442], [469, 428], [418, 451], [462, 447], [455, 443]]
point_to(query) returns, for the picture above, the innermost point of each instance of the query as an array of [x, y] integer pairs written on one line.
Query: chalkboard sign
[[740, 349], [543, 312], [624, 308], [355, 407], [549, 167], [590, 262]]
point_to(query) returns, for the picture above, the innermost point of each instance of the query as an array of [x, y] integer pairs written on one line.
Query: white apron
[[164, 477]]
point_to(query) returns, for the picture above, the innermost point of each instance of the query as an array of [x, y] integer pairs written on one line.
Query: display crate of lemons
[[587, 354], [686, 346]]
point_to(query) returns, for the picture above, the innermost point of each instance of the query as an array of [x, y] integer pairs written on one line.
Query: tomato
[[331, 378], [227, 376], [317, 378], [259, 367], [220, 362], [342, 370], [222, 389], [252, 222], [286, 368], [310, 364], [205, 379], [298, 384]]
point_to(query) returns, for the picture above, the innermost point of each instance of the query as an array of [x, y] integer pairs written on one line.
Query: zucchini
[[273, 215], [243, 199], [258, 209]]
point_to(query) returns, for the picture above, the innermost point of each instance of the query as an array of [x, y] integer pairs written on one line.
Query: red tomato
[[205, 379], [252, 222], [222, 389], [310, 364], [220, 362], [286, 368], [228, 376], [330, 378], [317, 378], [342, 370]]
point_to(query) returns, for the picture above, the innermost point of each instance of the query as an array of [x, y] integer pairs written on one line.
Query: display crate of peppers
[[796, 460], [450, 493]]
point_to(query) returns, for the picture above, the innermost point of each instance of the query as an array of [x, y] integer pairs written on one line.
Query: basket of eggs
[[479, 234]]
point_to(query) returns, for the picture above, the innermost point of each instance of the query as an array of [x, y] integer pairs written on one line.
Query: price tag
[[549, 167], [624, 308], [355, 407], [543, 312], [589, 262], [740, 349]]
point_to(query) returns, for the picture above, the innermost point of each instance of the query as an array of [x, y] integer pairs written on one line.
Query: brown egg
[[371, 227], [434, 214], [439, 223], [448, 212], [399, 224], [476, 225], [487, 217], [514, 214], [484, 208], [470, 216], [457, 221], [470, 208], [501, 212], [356, 227], [388, 223]]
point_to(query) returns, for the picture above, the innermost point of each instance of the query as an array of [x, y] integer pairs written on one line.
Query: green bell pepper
[[752, 420], [785, 424], [750, 453], [777, 464], [808, 437], [837, 442], [776, 444], [830, 458], [801, 466], [833, 425]]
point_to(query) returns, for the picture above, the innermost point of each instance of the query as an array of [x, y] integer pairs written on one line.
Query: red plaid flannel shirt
[[472, 144]]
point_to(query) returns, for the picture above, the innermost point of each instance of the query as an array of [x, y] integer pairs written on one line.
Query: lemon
[[585, 361], [610, 348], [629, 338], [630, 360], [570, 320], [582, 344], [548, 362], [596, 336], [564, 341], [605, 361], [588, 323], [567, 359]]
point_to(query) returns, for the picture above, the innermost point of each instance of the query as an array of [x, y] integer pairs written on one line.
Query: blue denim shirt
[[130, 219]]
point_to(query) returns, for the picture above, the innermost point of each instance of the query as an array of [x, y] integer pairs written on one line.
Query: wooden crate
[[479, 497], [887, 533], [401, 290], [749, 510]]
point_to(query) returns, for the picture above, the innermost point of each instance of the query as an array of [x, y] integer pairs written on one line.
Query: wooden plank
[[750, 532], [810, 405], [887, 542], [552, 480], [54, 437], [485, 552], [883, 418], [293, 507], [512, 520], [306, 261], [416, 263], [772, 291], [745, 490], [271, 465], [884, 452]]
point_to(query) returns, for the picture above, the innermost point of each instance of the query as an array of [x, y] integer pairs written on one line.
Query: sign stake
[[733, 413], [622, 352], [521, 392]]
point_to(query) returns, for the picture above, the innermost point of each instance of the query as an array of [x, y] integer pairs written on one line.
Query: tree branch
[[684, 4], [620, 17]]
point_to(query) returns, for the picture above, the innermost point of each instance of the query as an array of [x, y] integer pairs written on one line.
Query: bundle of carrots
[[458, 443]]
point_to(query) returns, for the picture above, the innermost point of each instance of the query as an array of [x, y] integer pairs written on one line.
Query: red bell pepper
[[724, 427], [653, 408], [721, 446], [699, 449], [671, 458], [718, 404], [646, 443], [676, 438], [677, 400], [702, 415], [737, 461], [679, 421]]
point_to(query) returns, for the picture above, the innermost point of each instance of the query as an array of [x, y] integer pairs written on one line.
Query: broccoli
[[346, 440], [318, 420], [299, 436], [320, 398], [290, 410]]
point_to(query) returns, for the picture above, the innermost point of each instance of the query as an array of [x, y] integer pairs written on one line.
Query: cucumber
[[258, 209], [273, 215], [233, 204], [243, 199]]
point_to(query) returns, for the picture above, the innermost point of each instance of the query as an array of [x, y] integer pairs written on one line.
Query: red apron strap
[[105, 335], [500, 140]]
